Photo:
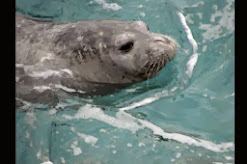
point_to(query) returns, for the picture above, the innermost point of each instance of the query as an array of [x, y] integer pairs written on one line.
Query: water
[[184, 115]]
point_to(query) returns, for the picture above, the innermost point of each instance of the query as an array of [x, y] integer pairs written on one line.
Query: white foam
[[68, 89], [142, 14], [52, 111], [112, 6], [226, 16], [140, 103], [211, 32], [191, 64], [62, 160], [109, 6], [193, 59], [68, 72], [47, 162], [141, 144], [76, 150], [132, 89], [65, 88], [204, 48], [38, 154], [67, 117], [228, 158], [149, 100], [42, 88], [30, 118], [174, 89], [230, 95], [188, 140], [48, 73], [126, 121], [121, 120], [217, 30], [45, 74], [178, 155], [140, 6], [88, 139], [27, 134], [103, 130], [48, 56]]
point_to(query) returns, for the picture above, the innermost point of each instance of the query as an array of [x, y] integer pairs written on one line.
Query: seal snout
[[166, 45], [161, 50]]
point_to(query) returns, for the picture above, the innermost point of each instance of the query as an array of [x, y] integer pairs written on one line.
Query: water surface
[[184, 115]]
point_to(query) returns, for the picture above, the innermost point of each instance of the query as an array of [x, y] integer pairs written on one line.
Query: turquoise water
[[184, 115]]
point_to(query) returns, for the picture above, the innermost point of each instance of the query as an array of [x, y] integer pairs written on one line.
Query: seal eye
[[126, 47]]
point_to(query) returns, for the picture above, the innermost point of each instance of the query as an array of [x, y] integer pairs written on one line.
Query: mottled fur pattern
[[85, 57]]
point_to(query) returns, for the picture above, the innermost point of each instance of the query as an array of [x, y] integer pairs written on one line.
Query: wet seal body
[[85, 57]]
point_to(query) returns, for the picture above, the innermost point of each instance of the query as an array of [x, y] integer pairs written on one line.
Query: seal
[[93, 57]]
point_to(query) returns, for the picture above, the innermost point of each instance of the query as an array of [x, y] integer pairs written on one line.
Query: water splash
[[193, 59], [126, 121]]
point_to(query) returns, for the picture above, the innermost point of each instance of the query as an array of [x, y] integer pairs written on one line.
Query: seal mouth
[[153, 67]]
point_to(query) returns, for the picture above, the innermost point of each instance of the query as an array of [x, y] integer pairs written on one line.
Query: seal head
[[120, 51]]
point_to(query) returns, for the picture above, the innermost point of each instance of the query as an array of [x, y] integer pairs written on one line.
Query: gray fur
[[85, 57]]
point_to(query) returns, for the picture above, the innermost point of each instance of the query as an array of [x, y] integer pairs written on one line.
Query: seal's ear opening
[[127, 47]]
